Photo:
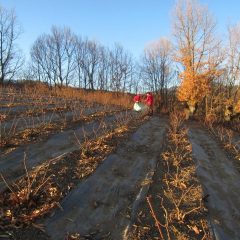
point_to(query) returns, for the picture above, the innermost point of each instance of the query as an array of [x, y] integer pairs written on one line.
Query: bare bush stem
[[157, 223]]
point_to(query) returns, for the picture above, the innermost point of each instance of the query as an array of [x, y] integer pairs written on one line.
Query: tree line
[[203, 66], [63, 58]]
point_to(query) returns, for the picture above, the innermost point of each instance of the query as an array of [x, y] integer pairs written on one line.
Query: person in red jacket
[[137, 98], [149, 103], [137, 103]]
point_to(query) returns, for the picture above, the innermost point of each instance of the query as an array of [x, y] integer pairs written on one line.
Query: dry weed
[[183, 213]]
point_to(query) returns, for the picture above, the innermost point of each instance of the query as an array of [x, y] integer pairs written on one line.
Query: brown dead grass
[[174, 207], [39, 91], [226, 138], [34, 134]]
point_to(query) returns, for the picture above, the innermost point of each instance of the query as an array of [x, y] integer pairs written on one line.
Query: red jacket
[[137, 98], [149, 100]]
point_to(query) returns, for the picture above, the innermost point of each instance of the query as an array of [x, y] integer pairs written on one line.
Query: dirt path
[[11, 165], [106, 202], [220, 180]]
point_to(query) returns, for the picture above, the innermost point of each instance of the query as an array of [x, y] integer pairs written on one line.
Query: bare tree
[[103, 69], [80, 54], [233, 60], [10, 57], [90, 62], [137, 82], [53, 56], [61, 57], [121, 63], [42, 62], [156, 68], [63, 47], [134, 80]]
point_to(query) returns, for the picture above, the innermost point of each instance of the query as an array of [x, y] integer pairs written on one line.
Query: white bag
[[139, 107]]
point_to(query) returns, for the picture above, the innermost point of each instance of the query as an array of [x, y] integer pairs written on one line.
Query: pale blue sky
[[132, 23]]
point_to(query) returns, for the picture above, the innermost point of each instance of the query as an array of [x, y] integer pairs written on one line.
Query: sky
[[132, 23]]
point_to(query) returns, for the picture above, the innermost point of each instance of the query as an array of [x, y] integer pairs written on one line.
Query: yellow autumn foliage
[[195, 80], [237, 107], [193, 88]]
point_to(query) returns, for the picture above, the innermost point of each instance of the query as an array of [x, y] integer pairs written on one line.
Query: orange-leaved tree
[[195, 85], [198, 51]]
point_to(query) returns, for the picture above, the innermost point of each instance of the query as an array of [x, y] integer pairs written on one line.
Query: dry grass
[[42, 188], [181, 203], [39, 91], [230, 144], [26, 199], [37, 131], [102, 97], [70, 105], [175, 201]]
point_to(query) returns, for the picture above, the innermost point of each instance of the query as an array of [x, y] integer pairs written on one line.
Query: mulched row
[[42, 131], [174, 182], [42, 189]]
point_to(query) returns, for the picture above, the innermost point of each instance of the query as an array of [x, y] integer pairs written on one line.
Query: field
[[77, 164]]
